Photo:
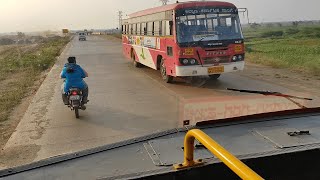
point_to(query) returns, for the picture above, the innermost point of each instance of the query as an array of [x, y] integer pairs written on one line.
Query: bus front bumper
[[204, 70]]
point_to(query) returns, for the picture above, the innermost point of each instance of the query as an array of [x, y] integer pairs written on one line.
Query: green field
[[21, 66], [296, 48]]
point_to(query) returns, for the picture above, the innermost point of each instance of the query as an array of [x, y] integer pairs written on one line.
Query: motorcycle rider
[[73, 75]]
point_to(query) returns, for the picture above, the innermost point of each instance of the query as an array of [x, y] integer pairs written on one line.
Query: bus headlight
[[192, 61], [234, 58], [185, 61], [188, 61], [238, 57]]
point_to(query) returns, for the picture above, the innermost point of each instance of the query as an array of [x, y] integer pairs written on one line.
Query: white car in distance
[[82, 36]]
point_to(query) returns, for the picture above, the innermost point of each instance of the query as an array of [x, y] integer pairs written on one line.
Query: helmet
[[72, 59]]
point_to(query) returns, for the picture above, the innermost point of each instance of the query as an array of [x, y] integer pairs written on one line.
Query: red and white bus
[[186, 39]]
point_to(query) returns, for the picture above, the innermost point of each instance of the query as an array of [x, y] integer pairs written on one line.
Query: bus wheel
[[135, 63], [214, 76], [163, 71]]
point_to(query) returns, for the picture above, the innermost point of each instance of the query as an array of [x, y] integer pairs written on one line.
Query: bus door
[[170, 48]]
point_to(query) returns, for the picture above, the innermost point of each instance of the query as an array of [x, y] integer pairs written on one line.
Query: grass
[[296, 48], [21, 67]]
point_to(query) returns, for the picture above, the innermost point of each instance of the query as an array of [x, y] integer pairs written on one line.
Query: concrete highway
[[125, 102]]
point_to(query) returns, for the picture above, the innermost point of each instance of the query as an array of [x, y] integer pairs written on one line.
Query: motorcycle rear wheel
[[76, 111]]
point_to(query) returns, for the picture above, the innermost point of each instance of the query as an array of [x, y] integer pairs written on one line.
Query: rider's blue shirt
[[74, 79]]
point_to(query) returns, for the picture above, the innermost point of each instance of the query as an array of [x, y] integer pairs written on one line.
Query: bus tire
[[163, 71], [214, 76], [135, 63]]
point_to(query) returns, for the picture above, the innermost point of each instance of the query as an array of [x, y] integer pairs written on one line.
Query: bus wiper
[[270, 93]]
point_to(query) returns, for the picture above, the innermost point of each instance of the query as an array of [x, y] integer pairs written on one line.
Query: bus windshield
[[208, 27]]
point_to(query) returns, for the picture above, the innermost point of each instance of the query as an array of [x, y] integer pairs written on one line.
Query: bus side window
[[160, 28], [127, 29], [138, 28], [169, 28], [150, 28], [163, 31], [157, 28], [169, 51], [145, 29], [153, 29], [134, 29]]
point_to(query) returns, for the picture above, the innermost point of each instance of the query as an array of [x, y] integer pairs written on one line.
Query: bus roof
[[180, 5]]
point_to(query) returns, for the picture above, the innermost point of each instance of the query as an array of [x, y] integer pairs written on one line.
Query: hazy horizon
[[41, 15]]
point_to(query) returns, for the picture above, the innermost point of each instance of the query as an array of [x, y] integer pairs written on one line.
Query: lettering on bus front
[[209, 10]]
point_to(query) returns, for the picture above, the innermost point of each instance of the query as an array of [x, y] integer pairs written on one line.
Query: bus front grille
[[215, 60]]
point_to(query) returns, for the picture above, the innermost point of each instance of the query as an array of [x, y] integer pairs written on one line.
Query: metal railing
[[238, 167]]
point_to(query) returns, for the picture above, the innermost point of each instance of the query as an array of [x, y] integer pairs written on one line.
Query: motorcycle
[[75, 98]]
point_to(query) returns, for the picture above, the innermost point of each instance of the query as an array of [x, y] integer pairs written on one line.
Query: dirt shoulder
[[297, 81], [17, 90], [7, 127]]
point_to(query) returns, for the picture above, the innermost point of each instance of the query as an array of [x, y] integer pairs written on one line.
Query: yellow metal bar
[[238, 167]]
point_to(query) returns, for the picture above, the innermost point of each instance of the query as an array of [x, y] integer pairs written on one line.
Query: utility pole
[[120, 19]]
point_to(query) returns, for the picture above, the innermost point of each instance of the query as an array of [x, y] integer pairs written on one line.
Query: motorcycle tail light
[[74, 93]]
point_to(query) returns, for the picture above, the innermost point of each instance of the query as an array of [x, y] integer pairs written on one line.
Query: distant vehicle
[[82, 36], [186, 39]]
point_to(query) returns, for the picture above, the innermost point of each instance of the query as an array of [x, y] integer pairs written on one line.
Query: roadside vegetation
[[293, 47], [117, 35], [21, 67]]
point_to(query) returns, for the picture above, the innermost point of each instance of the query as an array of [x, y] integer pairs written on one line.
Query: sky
[[41, 15]]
